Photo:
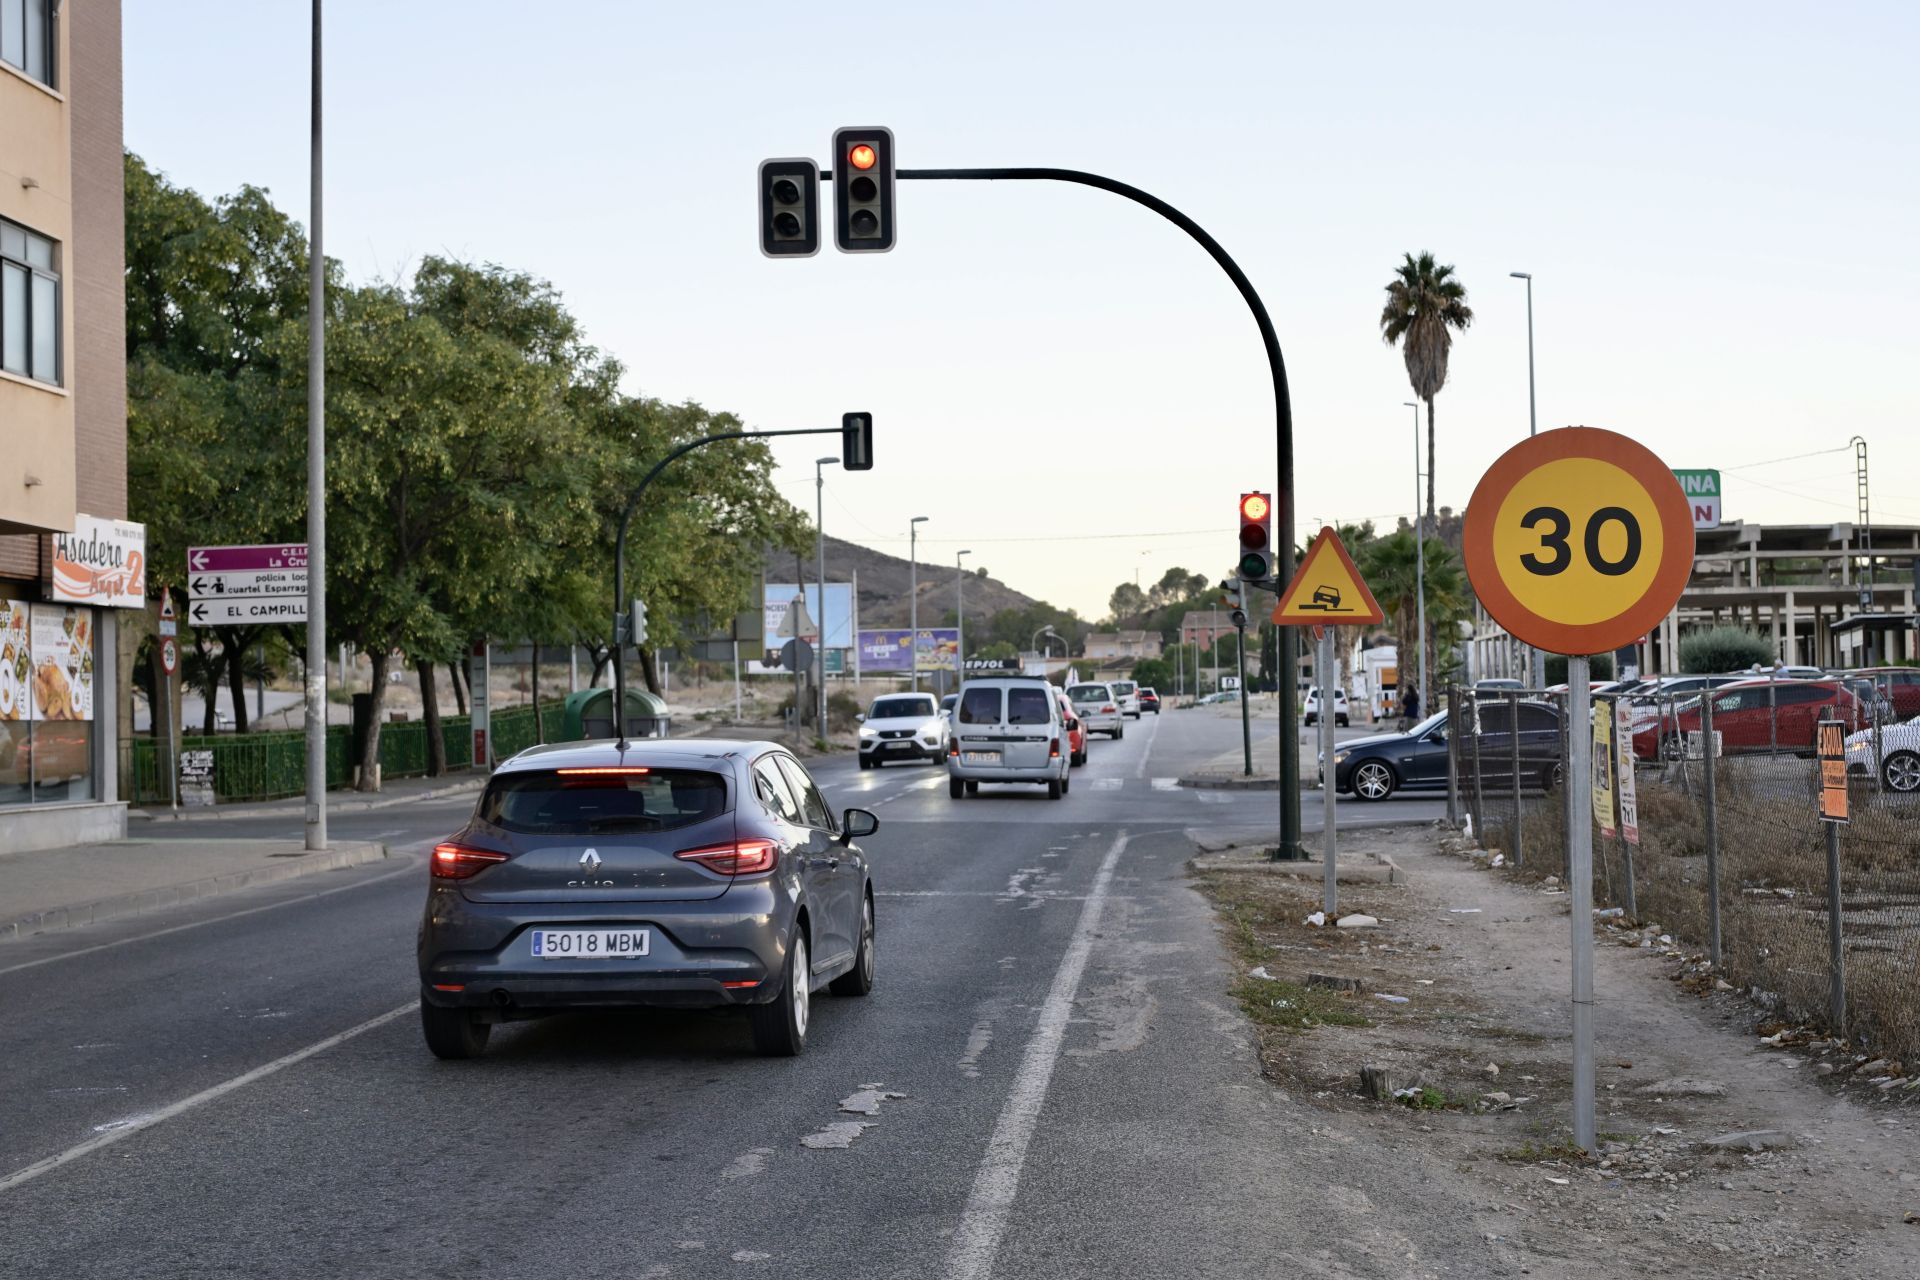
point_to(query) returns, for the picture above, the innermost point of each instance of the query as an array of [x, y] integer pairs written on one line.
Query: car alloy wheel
[[800, 987], [1902, 772], [1372, 780]]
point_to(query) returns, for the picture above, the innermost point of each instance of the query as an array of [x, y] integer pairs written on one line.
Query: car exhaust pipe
[[503, 997]]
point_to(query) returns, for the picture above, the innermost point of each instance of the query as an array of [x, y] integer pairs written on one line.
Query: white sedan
[[1900, 744]]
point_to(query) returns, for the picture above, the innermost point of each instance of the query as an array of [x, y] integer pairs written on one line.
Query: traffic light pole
[[620, 556], [1289, 847]]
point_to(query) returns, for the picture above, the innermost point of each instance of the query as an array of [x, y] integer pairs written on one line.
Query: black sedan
[[1374, 768]]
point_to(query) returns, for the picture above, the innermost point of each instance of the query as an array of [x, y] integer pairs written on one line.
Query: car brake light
[[453, 861], [1106, 708], [953, 747], [739, 858], [1055, 752], [601, 770]]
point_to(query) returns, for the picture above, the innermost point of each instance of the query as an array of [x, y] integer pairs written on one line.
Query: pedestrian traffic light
[[856, 441], [1256, 537], [789, 208], [863, 189]]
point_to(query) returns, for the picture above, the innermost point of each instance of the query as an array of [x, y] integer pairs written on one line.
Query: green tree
[[1126, 604], [1154, 673], [1715, 650], [1388, 565], [1425, 303]]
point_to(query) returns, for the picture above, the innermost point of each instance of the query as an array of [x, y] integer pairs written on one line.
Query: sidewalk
[[397, 792], [63, 888]]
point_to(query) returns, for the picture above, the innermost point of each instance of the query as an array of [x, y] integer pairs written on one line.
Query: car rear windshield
[[1125, 687], [1029, 706], [552, 802], [980, 706], [1089, 693], [900, 708]]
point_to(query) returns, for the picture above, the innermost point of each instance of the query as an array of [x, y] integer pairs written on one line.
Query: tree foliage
[[1714, 650], [1425, 303], [480, 451]]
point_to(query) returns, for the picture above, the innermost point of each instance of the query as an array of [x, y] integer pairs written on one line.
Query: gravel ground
[[1725, 1148]]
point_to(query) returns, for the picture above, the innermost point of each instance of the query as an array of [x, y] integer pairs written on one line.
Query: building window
[[29, 304], [26, 37]]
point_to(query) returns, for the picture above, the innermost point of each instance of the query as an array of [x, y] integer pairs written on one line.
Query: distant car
[[1900, 686], [1149, 700], [1310, 709], [1900, 743], [946, 707], [1129, 695], [902, 726], [697, 873], [1498, 685], [1755, 715], [1376, 767], [1225, 695], [1098, 708], [1008, 729], [1076, 731]]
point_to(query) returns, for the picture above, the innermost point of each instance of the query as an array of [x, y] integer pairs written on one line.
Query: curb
[[1229, 782], [228, 813], [341, 856]]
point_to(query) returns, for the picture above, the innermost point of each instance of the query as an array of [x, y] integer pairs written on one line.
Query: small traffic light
[[1232, 593], [863, 189], [638, 634], [789, 208], [1256, 537], [856, 441]]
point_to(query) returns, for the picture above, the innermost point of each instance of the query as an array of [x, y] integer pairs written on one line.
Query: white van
[[1128, 692], [1008, 729]]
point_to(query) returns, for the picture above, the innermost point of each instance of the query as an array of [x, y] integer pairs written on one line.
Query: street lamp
[[1419, 555], [1539, 664], [1048, 632], [820, 577], [913, 598], [960, 615]]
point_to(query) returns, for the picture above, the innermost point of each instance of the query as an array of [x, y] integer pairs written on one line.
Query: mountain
[[884, 581]]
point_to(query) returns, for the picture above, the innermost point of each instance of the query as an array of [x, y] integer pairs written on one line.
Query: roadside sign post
[[1326, 590], [169, 627], [1831, 737], [479, 702], [1579, 541]]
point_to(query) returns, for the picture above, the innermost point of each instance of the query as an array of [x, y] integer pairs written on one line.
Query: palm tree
[[1425, 302], [1388, 566]]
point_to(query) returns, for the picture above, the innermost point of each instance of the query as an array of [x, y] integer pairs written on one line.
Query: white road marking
[[1107, 784], [1140, 768], [231, 915], [114, 1131], [984, 1221], [1166, 784], [745, 1166]]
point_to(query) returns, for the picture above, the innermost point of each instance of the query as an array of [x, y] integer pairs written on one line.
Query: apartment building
[[70, 561]]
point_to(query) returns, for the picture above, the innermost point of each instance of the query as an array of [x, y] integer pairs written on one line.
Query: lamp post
[[1419, 558], [820, 578], [316, 665], [913, 598], [960, 615], [1049, 633], [1538, 667]]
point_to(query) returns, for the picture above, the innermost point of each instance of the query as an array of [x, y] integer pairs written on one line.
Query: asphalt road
[[249, 1095]]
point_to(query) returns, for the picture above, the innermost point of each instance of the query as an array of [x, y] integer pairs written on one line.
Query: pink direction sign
[[236, 586], [223, 559]]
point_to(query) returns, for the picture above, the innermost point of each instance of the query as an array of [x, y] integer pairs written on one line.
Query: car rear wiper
[[640, 822]]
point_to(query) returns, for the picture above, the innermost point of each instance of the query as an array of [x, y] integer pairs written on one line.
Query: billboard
[[838, 617], [1703, 496], [102, 562], [886, 650]]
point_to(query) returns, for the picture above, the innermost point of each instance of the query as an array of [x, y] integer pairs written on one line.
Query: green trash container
[[589, 714]]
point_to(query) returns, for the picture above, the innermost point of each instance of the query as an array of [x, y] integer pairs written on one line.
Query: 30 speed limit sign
[[1579, 541]]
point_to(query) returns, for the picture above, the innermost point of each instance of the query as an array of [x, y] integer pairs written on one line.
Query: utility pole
[[960, 614], [316, 672], [913, 599]]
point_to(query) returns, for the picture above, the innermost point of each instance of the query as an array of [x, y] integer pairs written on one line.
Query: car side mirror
[[860, 717], [1073, 726], [856, 823]]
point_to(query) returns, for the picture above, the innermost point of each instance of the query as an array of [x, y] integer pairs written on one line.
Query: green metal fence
[[270, 766]]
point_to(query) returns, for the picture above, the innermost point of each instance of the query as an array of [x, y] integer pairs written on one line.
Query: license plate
[[899, 746], [589, 944], [980, 757]]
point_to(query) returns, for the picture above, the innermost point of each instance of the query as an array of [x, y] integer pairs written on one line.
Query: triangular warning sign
[[1326, 590], [166, 605]]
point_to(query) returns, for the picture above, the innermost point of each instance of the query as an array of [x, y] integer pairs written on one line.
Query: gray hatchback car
[[696, 873]]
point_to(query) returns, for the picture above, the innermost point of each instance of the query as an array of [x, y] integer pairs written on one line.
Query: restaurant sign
[[101, 563]]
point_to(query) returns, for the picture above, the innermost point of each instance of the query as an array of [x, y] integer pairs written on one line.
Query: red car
[[1756, 715], [1900, 686], [1076, 731]]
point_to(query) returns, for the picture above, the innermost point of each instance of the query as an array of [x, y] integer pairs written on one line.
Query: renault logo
[[590, 861]]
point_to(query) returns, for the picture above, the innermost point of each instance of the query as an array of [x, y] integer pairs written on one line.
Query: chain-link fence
[[1727, 849]]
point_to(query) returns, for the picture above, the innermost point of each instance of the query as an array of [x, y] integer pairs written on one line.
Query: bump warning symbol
[[1326, 589]]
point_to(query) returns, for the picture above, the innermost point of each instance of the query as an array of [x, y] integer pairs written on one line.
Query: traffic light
[[856, 441], [863, 189], [789, 208], [1256, 537], [638, 634]]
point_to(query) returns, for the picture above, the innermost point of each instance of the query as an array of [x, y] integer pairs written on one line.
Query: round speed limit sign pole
[[1578, 541]]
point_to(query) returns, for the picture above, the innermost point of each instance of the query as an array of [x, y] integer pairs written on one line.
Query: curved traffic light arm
[[1283, 427], [620, 552]]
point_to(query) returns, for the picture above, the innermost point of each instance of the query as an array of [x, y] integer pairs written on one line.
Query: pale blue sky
[[1718, 202]]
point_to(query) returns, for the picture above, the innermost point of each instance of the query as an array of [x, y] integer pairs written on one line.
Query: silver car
[[1008, 729], [674, 873], [1098, 707]]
